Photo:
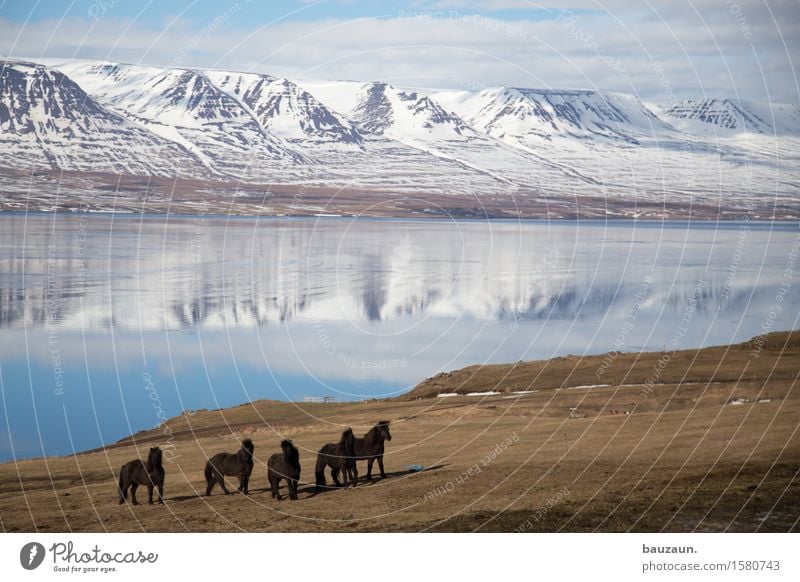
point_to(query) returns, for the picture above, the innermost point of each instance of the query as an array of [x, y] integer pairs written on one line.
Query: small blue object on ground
[[415, 467]]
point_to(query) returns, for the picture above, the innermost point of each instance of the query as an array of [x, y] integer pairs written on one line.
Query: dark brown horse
[[369, 448], [233, 464], [136, 472], [284, 465], [339, 457]]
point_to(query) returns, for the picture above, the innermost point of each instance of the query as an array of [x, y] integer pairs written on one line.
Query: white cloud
[[701, 48]]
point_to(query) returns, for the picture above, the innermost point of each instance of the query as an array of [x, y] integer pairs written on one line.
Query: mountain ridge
[[257, 128]]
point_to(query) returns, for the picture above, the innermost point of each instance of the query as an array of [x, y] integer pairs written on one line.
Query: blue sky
[[660, 50], [203, 11]]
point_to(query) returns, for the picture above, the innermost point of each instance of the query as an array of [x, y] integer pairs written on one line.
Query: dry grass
[[681, 459]]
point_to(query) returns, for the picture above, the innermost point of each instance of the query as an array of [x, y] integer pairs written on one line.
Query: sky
[[661, 51]]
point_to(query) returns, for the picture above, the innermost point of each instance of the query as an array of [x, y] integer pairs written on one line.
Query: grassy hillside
[[712, 446]]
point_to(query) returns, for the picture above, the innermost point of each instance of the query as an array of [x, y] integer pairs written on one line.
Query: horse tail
[[121, 486], [209, 471], [319, 471]]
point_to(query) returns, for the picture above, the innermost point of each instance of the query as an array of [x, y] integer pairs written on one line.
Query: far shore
[[42, 190]]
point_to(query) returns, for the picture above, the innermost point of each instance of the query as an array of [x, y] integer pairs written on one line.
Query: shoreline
[[92, 192], [645, 222], [468, 383]]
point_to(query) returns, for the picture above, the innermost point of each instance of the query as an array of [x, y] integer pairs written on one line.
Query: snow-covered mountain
[[618, 143], [184, 106], [383, 108], [711, 115], [420, 121], [377, 137], [286, 110], [518, 114], [47, 121]]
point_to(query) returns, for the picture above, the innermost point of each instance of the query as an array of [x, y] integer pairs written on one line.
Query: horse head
[[247, 448], [154, 458], [290, 452], [383, 430]]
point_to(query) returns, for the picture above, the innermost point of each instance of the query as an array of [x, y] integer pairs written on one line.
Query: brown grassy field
[[678, 457]]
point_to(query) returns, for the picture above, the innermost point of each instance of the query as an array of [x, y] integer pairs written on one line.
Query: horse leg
[[380, 466], [134, 487], [246, 484], [209, 475], [221, 481], [369, 468], [161, 493], [354, 474], [335, 476], [292, 488], [150, 493], [274, 483]]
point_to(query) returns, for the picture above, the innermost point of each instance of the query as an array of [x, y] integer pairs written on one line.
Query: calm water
[[109, 324]]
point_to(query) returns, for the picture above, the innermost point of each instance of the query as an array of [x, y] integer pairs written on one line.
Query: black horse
[[339, 457], [284, 465], [136, 472], [233, 464], [369, 448]]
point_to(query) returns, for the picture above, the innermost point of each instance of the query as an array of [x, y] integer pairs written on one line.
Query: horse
[[369, 448], [136, 472], [238, 464], [350, 469], [284, 465], [339, 457]]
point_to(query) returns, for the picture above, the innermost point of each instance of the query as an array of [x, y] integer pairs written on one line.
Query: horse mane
[[154, 459], [372, 434], [347, 442], [247, 449]]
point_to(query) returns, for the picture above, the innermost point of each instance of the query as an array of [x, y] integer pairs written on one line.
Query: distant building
[[319, 399]]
